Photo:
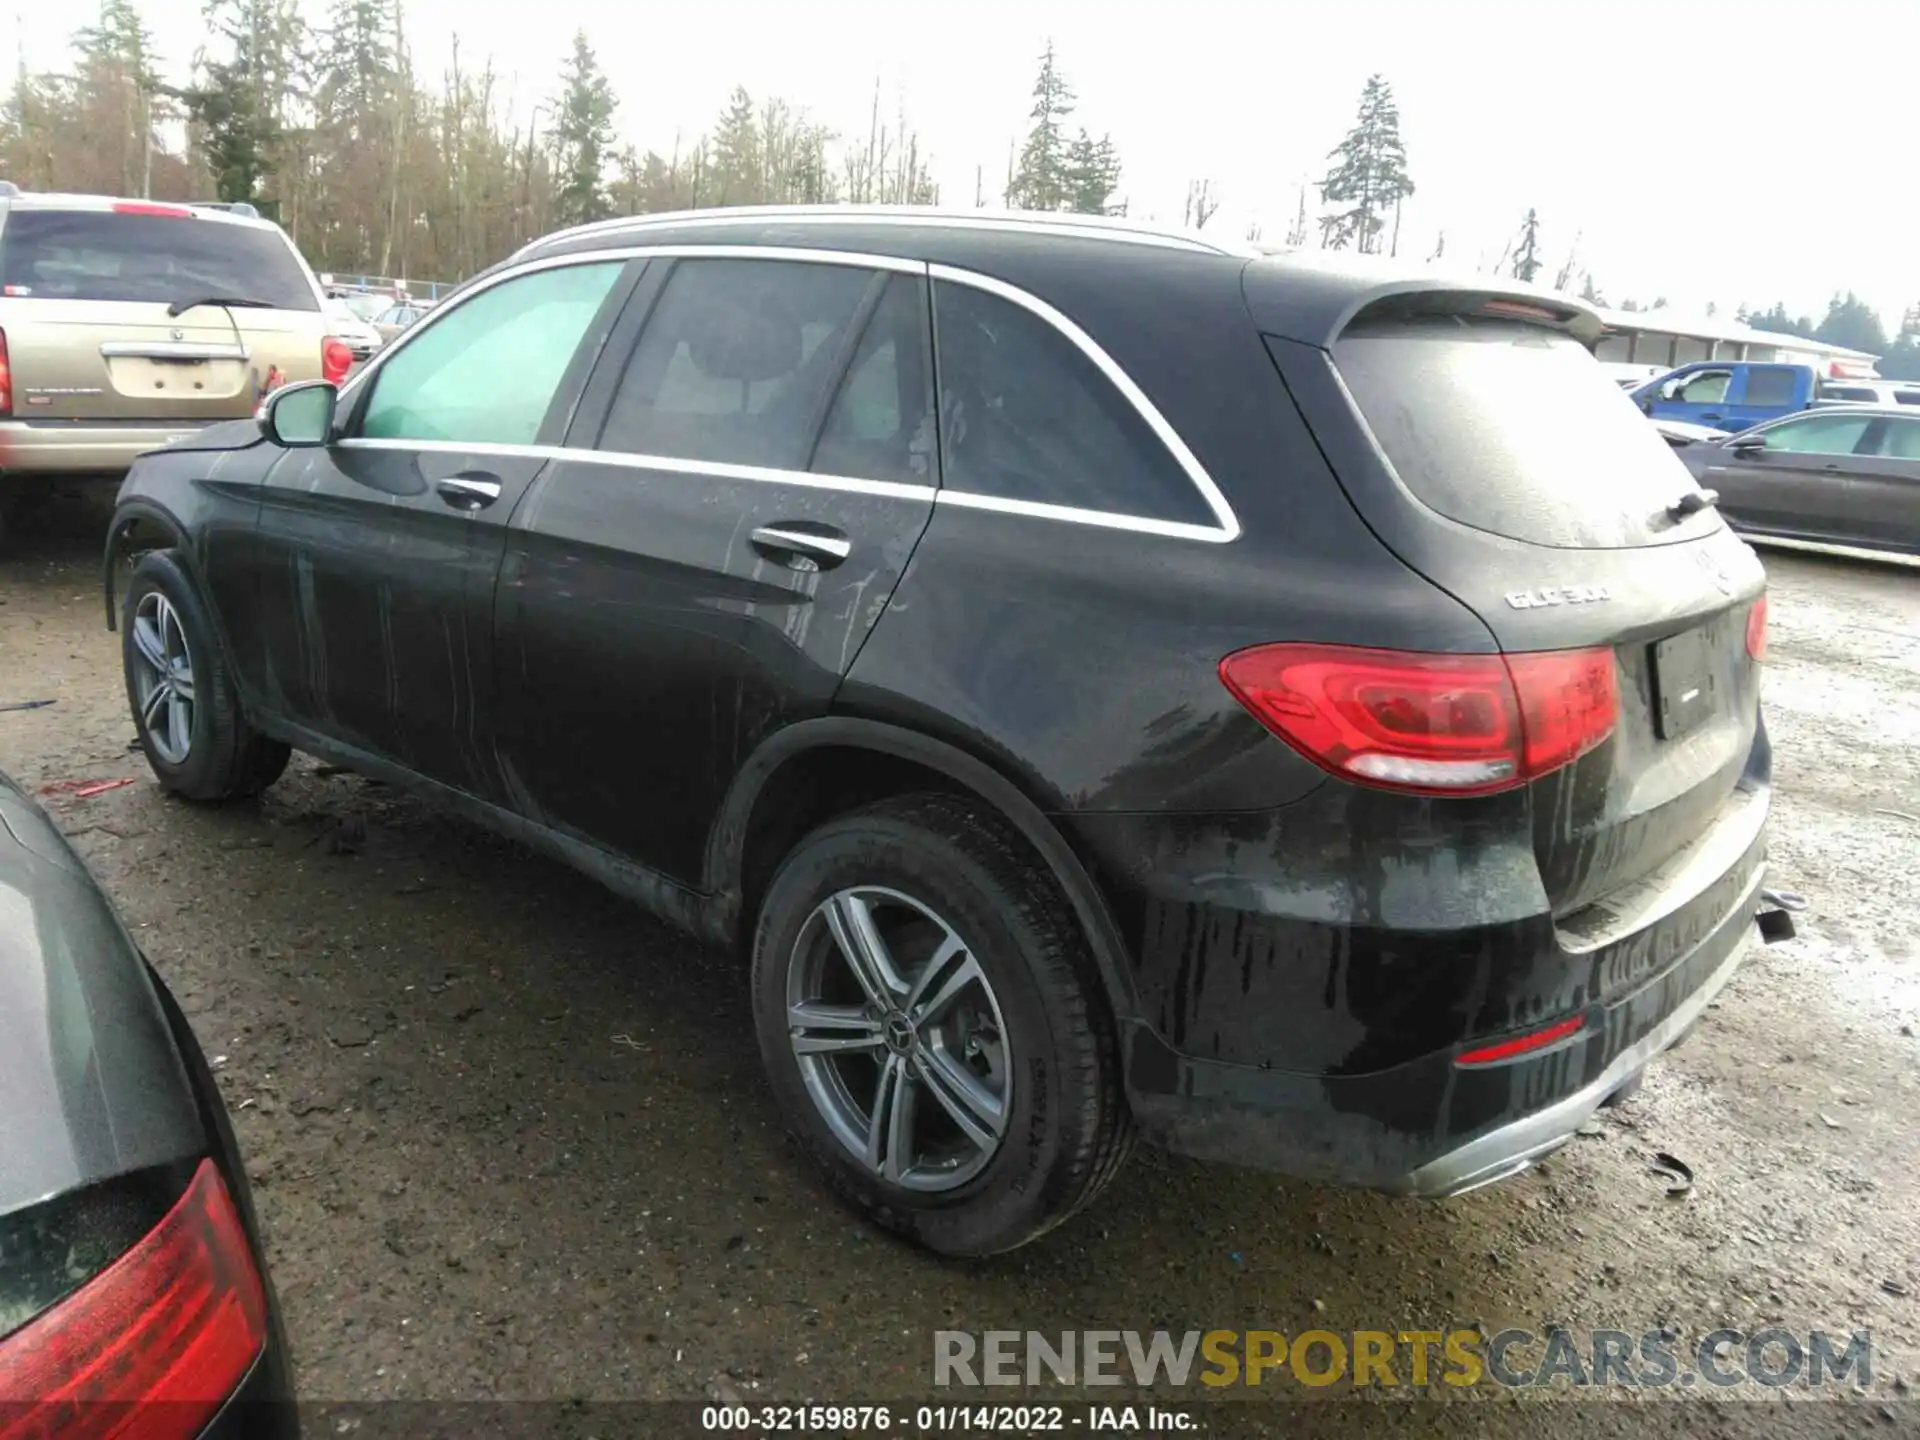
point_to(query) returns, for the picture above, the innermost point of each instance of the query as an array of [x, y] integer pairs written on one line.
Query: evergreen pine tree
[[1042, 178], [1368, 176], [582, 138]]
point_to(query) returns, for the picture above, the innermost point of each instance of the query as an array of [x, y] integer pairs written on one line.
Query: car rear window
[[1513, 429], [114, 255]]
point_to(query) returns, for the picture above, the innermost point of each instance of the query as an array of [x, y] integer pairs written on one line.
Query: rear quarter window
[[109, 255], [1514, 429]]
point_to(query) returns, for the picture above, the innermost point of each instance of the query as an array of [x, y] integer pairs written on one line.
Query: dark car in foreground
[[1110, 682], [1845, 475], [133, 1297]]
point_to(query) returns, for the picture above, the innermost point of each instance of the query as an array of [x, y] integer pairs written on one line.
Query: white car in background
[[360, 337]]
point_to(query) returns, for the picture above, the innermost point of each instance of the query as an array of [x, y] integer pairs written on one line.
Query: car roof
[[45, 200], [1308, 296]]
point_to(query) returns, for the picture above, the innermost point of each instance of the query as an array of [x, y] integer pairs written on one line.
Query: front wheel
[[933, 1027], [185, 708]]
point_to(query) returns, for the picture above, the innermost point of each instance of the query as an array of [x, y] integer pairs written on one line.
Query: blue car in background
[[1729, 395]]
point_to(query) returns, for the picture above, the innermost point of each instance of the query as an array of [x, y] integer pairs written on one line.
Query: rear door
[[749, 472], [1494, 458], [1758, 393], [1885, 486], [377, 555], [1799, 482], [88, 297]]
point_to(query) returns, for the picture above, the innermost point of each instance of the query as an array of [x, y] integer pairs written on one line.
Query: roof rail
[[1102, 227]]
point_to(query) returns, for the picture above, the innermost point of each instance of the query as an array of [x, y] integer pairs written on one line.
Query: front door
[[1797, 483], [379, 552], [750, 470]]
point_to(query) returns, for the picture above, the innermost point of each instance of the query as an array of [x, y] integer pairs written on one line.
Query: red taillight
[[1757, 628], [6, 378], [147, 207], [153, 1345], [336, 358], [1521, 1044], [1433, 724]]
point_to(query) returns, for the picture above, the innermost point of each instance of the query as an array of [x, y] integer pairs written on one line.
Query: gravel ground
[[509, 1137]]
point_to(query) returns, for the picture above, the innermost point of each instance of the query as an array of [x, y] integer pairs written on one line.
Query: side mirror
[[1646, 405], [300, 416], [1747, 444]]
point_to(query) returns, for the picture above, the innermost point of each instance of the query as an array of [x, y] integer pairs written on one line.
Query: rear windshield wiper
[[1692, 503], [180, 307]]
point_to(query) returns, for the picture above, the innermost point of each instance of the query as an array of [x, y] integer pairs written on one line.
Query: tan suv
[[125, 324]]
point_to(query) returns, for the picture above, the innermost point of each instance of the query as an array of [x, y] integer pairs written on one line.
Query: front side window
[[1025, 415], [1819, 435], [487, 370], [1707, 387], [736, 361]]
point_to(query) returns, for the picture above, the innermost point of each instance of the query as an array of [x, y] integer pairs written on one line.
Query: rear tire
[[180, 690], [1003, 1056]]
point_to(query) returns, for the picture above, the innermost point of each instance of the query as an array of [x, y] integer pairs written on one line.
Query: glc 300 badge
[[1557, 595]]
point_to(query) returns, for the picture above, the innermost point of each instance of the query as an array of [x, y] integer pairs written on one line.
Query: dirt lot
[[510, 1140]]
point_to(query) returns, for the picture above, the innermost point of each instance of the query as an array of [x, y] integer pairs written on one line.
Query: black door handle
[[802, 544], [1709, 417], [469, 490]]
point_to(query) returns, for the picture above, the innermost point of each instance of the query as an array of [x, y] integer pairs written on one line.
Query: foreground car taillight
[[1757, 628], [336, 358], [1432, 724], [154, 1344], [6, 378]]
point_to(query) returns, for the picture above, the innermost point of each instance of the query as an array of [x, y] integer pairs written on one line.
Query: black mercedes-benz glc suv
[[1112, 683]]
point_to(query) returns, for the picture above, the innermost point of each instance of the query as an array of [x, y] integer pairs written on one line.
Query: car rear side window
[[487, 370], [1901, 439], [880, 426], [1906, 397], [1847, 392], [736, 362], [1026, 415], [1512, 429], [1771, 385], [155, 259]]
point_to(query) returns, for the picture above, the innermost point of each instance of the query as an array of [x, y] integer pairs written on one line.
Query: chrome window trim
[[1228, 523], [1225, 530], [718, 470], [622, 254], [994, 221]]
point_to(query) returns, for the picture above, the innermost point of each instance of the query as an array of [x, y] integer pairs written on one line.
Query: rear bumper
[[1333, 1050], [39, 447]]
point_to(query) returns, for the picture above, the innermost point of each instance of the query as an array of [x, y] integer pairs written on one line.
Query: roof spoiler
[[1415, 301]]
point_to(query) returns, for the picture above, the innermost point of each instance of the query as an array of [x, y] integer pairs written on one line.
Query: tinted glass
[[486, 370], [1771, 385], [1906, 397], [106, 255], [881, 424], [1900, 440], [1846, 392], [1025, 415], [735, 362], [1819, 435], [1512, 429]]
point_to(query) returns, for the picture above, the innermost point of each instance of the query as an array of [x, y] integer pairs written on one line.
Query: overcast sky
[[1700, 150]]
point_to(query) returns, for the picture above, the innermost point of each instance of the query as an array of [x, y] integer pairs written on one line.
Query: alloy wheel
[[899, 1038], [163, 678]]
